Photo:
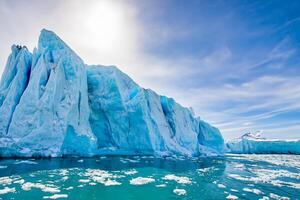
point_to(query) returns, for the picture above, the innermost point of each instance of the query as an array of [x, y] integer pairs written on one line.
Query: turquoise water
[[143, 178]]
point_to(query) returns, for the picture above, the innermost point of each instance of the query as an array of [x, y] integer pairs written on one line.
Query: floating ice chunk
[[6, 180], [231, 197], [255, 191], [45, 188], [103, 177], [264, 198], [161, 185], [221, 186], [56, 196], [69, 188], [21, 181], [110, 182], [7, 190], [84, 180], [3, 166], [178, 179], [141, 181], [277, 197], [131, 172], [80, 161], [179, 191]]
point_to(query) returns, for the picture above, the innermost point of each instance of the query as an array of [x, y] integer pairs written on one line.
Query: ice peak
[[48, 39]]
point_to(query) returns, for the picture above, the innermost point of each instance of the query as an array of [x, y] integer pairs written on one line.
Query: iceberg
[[254, 143], [52, 104]]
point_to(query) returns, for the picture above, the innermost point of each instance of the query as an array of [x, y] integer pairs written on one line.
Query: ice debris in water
[[178, 179]]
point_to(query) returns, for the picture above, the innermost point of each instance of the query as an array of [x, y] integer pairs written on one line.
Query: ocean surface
[[142, 178]]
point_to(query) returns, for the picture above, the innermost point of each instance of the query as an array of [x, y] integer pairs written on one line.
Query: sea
[[251, 177]]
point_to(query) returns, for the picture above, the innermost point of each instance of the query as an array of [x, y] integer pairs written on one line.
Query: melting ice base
[[231, 177]]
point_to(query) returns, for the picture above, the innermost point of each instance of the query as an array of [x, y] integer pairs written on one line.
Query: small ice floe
[[80, 161], [178, 179], [125, 160], [205, 170], [56, 196], [45, 188], [92, 183], [6, 180], [69, 188], [179, 191], [110, 182], [161, 185], [277, 197], [7, 190], [221, 186], [65, 178], [84, 180], [255, 191], [231, 197], [20, 181], [131, 172], [233, 190], [141, 181], [3, 166], [103, 177], [29, 162]]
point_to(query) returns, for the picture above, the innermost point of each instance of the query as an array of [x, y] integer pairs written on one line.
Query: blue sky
[[237, 63]]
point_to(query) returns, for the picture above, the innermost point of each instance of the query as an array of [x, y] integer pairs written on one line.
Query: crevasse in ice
[[52, 104]]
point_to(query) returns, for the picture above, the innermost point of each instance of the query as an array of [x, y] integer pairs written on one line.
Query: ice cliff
[[254, 143], [52, 104]]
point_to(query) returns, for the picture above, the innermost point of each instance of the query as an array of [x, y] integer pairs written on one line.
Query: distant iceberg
[[254, 143], [52, 104]]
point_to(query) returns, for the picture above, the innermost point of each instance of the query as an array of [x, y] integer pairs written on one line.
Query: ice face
[[130, 119], [51, 117], [52, 104], [256, 144]]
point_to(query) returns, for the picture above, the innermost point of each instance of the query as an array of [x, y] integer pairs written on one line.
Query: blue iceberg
[[254, 143], [53, 105]]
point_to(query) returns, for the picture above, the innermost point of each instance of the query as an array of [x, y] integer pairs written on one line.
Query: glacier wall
[[262, 146], [52, 104]]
